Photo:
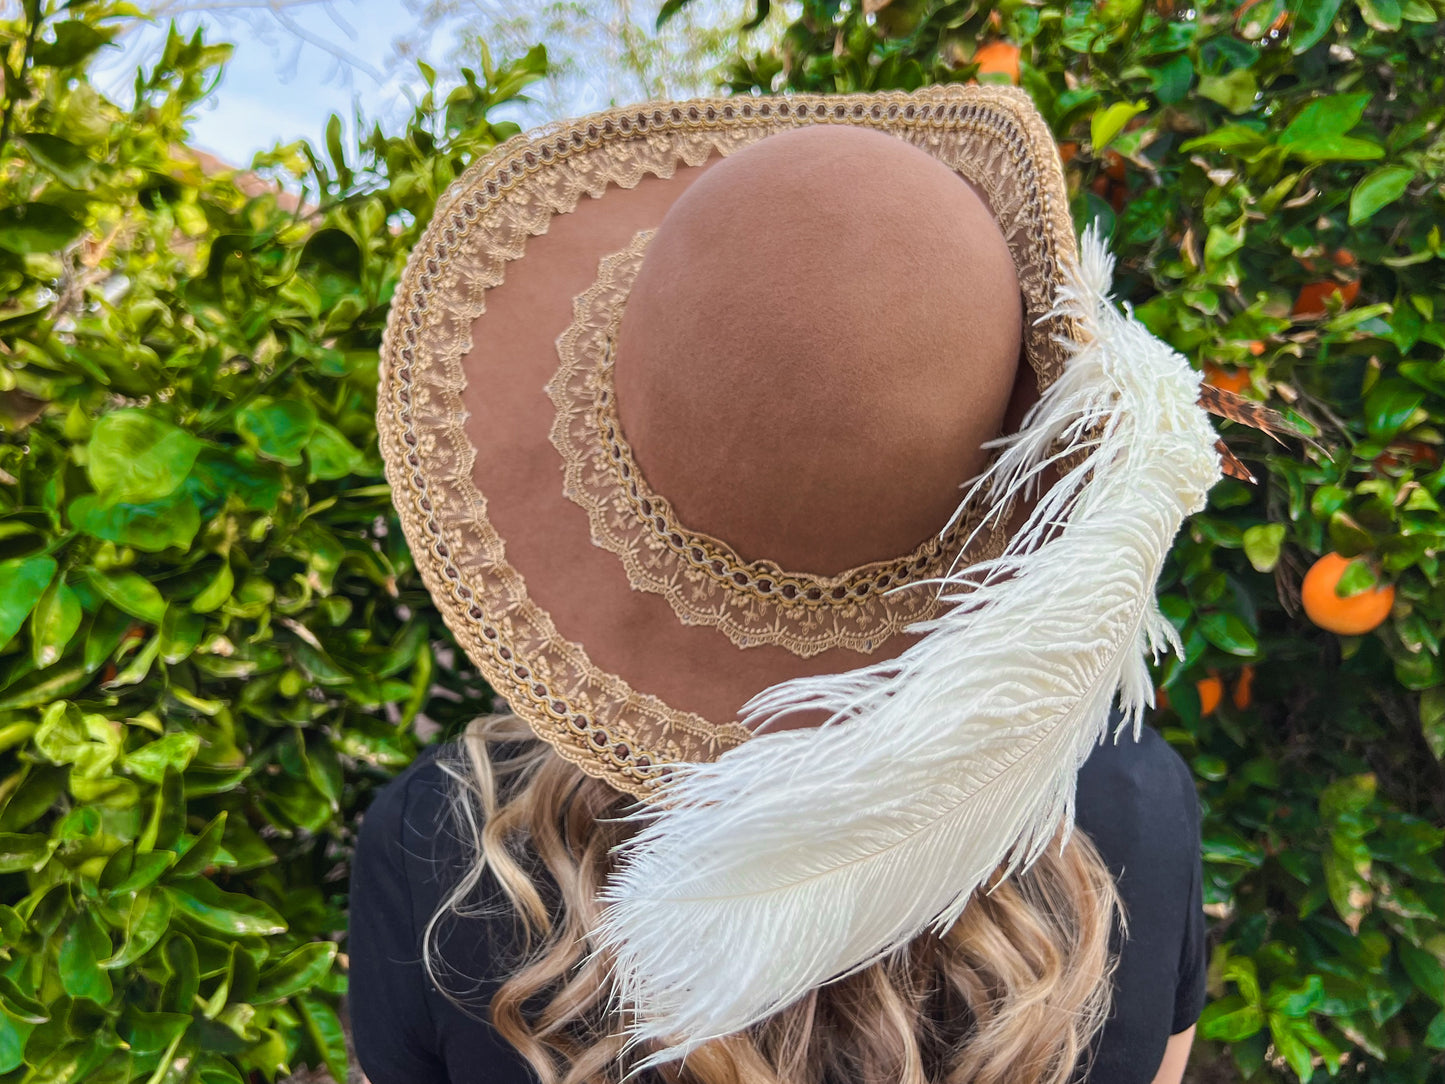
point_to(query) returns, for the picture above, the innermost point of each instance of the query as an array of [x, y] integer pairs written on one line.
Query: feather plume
[[1228, 404], [804, 855], [1231, 463]]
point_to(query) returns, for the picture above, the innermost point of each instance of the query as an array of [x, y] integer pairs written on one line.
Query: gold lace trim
[[702, 577], [593, 718]]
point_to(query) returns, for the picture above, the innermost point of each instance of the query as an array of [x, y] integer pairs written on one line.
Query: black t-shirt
[[1136, 800]]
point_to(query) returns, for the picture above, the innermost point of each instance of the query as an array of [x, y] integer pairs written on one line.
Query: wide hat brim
[[625, 641]]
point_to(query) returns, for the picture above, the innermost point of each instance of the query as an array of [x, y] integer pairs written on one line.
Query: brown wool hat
[[674, 398]]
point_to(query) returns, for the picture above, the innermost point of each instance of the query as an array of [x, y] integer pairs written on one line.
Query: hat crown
[[824, 330]]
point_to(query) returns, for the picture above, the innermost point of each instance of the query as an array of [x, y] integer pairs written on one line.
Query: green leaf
[[668, 10], [184, 967], [215, 1069], [147, 921], [1289, 1045], [167, 820], [1228, 633], [1108, 122], [324, 1028], [1222, 243], [1262, 544], [1171, 81], [331, 454], [1235, 91], [215, 593], [1232, 138], [12, 926], [81, 951], [23, 581], [1382, 15], [21, 1005], [236, 476], [150, 761], [1357, 578], [139, 665], [1297, 1000], [53, 623], [336, 151], [296, 972], [1334, 149], [152, 1032], [225, 912], [135, 457], [67, 161], [144, 870], [21, 852], [1347, 796], [1332, 115], [30, 228], [74, 42], [132, 593], [277, 430], [1312, 19], [1432, 720], [155, 526], [1229, 1020], [103, 637], [1435, 1033], [200, 853], [1391, 403], [1425, 970], [180, 634], [43, 688], [1377, 189], [12, 1044]]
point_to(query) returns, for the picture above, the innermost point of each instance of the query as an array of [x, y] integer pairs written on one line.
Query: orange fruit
[[998, 58], [1211, 692], [1235, 381], [1161, 698], [1353, 616], [1244, 688], [1312, 298], [1067, 150], [1407, 453], [1115, 166], [1256, 347], [1343, 257]]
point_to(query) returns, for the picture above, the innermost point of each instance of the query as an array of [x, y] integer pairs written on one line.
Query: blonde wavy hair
[[1013, 993]]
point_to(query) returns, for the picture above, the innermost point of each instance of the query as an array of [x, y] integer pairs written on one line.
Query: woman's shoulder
[[415, 800], [413, 827], [1137, 801], [416, 1019]]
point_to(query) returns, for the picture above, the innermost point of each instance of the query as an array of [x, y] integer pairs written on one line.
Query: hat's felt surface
[[823, 330]]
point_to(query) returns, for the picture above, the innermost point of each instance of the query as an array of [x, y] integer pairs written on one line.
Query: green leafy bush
[[1271, 174], [212, 641]]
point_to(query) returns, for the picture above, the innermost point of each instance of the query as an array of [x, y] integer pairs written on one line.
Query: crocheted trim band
[[702, 577]]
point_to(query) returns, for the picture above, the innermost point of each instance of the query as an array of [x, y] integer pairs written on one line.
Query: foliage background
[[213, 645], [599, 52]]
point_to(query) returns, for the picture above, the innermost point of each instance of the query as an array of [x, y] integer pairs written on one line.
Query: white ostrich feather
[[803, 855]]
